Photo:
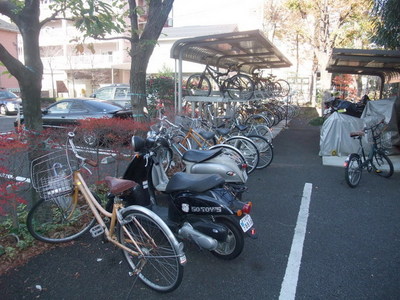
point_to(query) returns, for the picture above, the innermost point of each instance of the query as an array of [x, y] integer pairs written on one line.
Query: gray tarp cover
[[335, 132]]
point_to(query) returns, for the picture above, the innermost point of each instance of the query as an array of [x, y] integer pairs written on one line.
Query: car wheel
[[3, 110]]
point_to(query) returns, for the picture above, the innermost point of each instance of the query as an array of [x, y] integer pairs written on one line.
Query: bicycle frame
[[367, 159], [98, 211], [215, 76]]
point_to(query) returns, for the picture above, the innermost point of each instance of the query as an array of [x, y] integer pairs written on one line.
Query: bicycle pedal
[[96, 230], [378, 171]]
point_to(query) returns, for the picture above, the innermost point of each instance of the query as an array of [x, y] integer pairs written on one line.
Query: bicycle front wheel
[[249, 150], [61, 219], [241, 87], [198, 85], [353, 170], [382, 165], [160, 258]]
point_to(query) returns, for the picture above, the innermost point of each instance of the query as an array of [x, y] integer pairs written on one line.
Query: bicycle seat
[[193, 182], [207, 135], [357, 133], [223, 131], [117, 186], [241, 127], [198, 156]]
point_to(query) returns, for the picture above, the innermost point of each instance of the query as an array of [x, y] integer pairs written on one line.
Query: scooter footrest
[[96, 230]]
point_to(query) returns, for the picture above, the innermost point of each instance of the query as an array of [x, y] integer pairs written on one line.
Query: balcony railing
[[82, 61]]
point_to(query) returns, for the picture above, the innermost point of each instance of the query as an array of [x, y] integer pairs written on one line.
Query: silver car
[[9, 103], [117, 93]]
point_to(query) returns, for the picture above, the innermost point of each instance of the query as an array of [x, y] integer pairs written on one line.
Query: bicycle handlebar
[[375, 126], [90, 162]]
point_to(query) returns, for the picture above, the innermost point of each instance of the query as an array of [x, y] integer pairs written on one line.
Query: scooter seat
[[198, 156], [193, 182]]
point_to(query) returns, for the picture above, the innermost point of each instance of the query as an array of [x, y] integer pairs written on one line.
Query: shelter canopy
[[249, 50], [382, 63]]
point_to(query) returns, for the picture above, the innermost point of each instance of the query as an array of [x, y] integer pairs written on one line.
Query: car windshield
[[102, 106], [7, 95]]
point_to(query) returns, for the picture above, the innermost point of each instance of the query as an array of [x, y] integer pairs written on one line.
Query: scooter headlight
[[138, 143]]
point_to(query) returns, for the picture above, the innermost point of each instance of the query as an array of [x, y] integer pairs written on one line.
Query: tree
[[322, 25], [387, 23], [26, 15], [142, 40], [29, 76]]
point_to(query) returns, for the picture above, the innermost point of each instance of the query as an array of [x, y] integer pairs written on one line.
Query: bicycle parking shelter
[[382, 63], [248, 50]]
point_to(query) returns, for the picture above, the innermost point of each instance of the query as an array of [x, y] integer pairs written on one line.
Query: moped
[[197, 207]]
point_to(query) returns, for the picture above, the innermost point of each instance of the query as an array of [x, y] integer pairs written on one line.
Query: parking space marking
[[289, 284]]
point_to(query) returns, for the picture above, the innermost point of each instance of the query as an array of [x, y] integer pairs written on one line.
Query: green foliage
[[317, 121], [160, 89], [20, 233], [387, 23], [93, 18]]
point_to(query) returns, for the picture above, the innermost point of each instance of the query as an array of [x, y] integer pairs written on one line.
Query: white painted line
[[289, 284], [15, 178]]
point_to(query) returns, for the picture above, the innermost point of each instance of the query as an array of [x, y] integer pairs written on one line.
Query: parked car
[[68, 112], [117, 93], [9, 102]]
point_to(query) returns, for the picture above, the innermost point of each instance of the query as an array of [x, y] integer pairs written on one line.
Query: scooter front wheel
[[233, 246]]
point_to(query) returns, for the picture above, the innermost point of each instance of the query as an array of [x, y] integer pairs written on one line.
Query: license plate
[[246, 223]]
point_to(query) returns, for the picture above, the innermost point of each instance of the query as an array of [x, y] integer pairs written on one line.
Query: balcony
[[83, 62]]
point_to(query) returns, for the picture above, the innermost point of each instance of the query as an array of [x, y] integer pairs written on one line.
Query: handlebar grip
[[91, 162]]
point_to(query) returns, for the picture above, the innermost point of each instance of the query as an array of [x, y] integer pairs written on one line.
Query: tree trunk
[[140, 58], [141, 49]]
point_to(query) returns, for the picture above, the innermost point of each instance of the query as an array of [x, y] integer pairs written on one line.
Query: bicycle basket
[[51, 175], [376, 134], [185, 122]]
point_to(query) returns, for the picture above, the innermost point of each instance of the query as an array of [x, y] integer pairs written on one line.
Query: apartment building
[[68, 72], [72, 71], [9, 39]]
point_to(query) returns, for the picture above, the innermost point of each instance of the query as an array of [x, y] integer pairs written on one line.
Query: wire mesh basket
[[52, 175], [183, 121]]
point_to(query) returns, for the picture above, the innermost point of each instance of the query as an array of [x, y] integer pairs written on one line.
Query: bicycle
[[242, 150], [238, 87], [270, 86], [376, 161], [201, 135], [255, 132], [68, 209]]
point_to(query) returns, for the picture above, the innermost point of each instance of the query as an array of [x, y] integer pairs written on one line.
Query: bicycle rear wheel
[[353, 170], [160, 260], [265, 149], [240, 86], [259, 119], [198, 85], [179, 145], [382, 165], [61, 219], [285, 87], [248, 149]]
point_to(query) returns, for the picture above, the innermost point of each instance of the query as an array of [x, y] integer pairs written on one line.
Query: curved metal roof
[[249, 50], [382, 63]]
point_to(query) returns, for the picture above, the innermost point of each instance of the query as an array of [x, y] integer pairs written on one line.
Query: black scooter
[[197, 207]]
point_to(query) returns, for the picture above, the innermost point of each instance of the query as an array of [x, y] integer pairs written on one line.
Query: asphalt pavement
[[350, 246]]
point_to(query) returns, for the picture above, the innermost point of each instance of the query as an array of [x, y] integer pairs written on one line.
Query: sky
[[245, 13]]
